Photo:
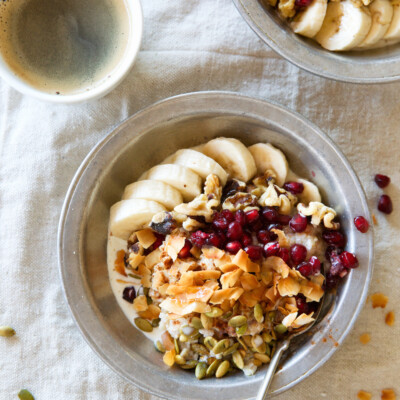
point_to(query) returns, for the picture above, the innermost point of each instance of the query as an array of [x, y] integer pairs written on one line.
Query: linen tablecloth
[[188, 46]]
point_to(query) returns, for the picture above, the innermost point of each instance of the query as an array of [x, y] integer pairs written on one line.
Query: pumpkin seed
[[227, 315], [241, 330], [25, 395], [267, 350], [235, 308], [222, 369], [242, 343], [183, 338], [180, 360], [143, 325], [271, 315], [135, 276], [247, 340], [214, 313], [185, 353], [169, 358], [155, 322], [261, 349], [221, 346], [256, 362], [266, 337], [258, 313], [7, 331], [160, 347], [280, 329], [209, 342], [196, 323], [207, 322], [201, 370], [231, 349], [189, 365], [176, 344], [149, 300], [196, 336], [238, 360], [237, 321], [213, 367], [200, 349], [262, 357]]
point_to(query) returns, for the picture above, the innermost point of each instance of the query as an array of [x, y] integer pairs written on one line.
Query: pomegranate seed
[[275, 226], [263, 236], [185, 250], [349, 260], [233, 247], [334, 237], [254, 252], [240, 217], [220, 223], [294, 187], [252, 216], [337, 267], [270, 214], [361, 224], [246, 239], [129, 294], [284, 254], [234, 231], [316, 265], [271, 249], [222, 236], [382, 180], [302, 4], [199, 238], [385, 204], [298, 253], [298, 223], [257, 226], [305, 269], [302, 304], [214, 240], [331, 281], [284, 219], [159, 240], [228, 215]]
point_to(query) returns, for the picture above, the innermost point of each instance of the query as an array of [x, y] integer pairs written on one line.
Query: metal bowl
[[144, 140], [371, 66]]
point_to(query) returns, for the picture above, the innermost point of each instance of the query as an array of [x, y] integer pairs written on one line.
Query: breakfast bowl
[[146, 139], [378, 65]]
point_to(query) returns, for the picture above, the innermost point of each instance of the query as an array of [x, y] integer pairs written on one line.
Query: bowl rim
[[62, 228], [302, 55]]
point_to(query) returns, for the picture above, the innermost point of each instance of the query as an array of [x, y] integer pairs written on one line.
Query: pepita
[[227, 315], [210, 342], [201, 370], [272, 315], [262, 357], [237, 321], [280, 329], [155, 322], [143, 324], [196, 323], [258, 313], [242, 343], [200, 349], [266, 337], [6, 331], [230, 350], [267, 350], [185, 353], [135, 276], [207, 322], [222, 369], [247, 340], [25, 395], [169, 358], [214, 313], [212, 368], [160, 347], [241, 330], [180, 360], [149, 300], [176, 344], [238, 360], [261, 349], [189, 365], [221, 346], [257, 362]]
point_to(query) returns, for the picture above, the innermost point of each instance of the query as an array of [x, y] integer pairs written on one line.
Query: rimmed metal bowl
[[141, 142], [371, 66]]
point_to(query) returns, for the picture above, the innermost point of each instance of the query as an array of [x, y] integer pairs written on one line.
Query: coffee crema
[[63, 46]]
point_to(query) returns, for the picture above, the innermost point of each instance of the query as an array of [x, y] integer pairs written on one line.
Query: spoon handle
[[273, 365]]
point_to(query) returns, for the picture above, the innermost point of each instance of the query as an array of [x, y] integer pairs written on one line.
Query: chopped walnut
[[274, 196], [240, 201], [319, 212], [287, 9], [191, 224]]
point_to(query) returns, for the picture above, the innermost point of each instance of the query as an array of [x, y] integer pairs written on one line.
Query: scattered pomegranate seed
[[330, 249], [263, 236], [252, 216], [220, 223], [240, 217], [284, 254], [159, 240], [228, 215], [233, 247], [254, 252], [270, 214], [214, 240], [284, 219], [185, 250], [385, 204], [302, 304], [302, 4], [382, 180], [337, 267], [247, 239], [129, 294], [298, 223], [257, 225], [199, 238], [334, 237], [316, 265], [349, 260], [294, 187], [361, 224], [305, 269], [331, 281], [298, 253], [271, 249], [234, 231]]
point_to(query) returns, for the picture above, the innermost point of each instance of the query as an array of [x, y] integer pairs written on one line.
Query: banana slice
[[127, 216], [345, 26], [157, 191], [308, 22], [233, 156], [199, 163], [310, 192], [381, 15], [179, 177], [393, 33], [199, 148], [266, 157]]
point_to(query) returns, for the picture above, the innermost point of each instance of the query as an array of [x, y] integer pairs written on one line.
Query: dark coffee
[[63, 46]]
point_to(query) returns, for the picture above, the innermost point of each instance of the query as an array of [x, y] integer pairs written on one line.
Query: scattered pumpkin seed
[[267, 350], [247, 340], [266, 337], [231, 349], [207, 322], [238, 360], [258, 313], [235, 308], [237, 321], [223, 369], [242, 343], [143, 324], [25, 395], [160, 347], [213, 367], [214, 313], [155, 322], [180, 360], [200, 349], [221, 346], [176, 344], [189, 365], [261, 349], [6, 331], [196, 323], [262, 357], [227, 315], [271, 315], [196, 336], [280, 329], [210, 342], [201, 370], [241, 330], [135, 276], [149, 300], [256, 362]]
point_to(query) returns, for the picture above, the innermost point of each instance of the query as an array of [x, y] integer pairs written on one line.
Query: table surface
[[188, 46]]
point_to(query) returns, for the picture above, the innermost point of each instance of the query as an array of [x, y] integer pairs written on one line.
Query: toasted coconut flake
[[318, 279], [277, 264], [146, 237], [225, 260], [163, 289], [174, 245], [220, 296], [191, 293], [183, 308], [243, 261], [248, 299], [296, 275], [145, 281], [195, 252], [151, 313], [229, 279], [187, 279], [319, 212], [212, 284], [135, 259], [302, 320], [283, 311], [389, 319], [213, 252], [206, 274], [272, 295], [229, 268], [140, 303], [259, 293], [153, 258], [311, 290], [158, 280], [282, 239], [119, 263], [362, 395], [143, 270], [289, 319], [249, 281], [379, 300], [288, 287]]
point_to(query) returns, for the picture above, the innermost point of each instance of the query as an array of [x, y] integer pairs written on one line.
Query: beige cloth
[[188, 46]]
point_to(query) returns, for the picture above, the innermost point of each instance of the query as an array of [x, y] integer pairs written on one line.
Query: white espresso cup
[[100, 83]]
